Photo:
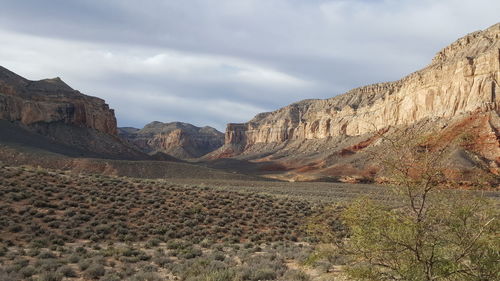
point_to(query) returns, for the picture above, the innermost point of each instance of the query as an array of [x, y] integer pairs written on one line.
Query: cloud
[[145, 84], [158, 106], [240, 56]]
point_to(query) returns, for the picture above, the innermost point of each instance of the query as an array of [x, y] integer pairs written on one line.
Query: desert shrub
[[94, 271], [145, 276], [111, 276], [39, 243], [162, 261], [46, 255], [66, 271], [130, 252], [6, 275], [196, 267], [32, 252], [218, 256], [84, 264], [177, 244], [215, 275], [16, 228], [74, 258], [132, 255], [27, 271], [295, 275], [147, 267], [81, 250], [206, 243], [47, 265], [50, 276], [264, 267], [3, 251], [20, 263], [190, 253], [154, 242], [263, 274], [81, 220]]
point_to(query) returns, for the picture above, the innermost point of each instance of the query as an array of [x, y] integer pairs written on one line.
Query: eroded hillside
[[315, 138]]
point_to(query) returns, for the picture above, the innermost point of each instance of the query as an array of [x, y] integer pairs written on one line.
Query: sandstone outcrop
[[462, 78], [51, 100], [181, 140], [50, 115]]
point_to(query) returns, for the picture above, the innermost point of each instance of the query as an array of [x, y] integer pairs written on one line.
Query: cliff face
[[456, 96], [464, 77], [177, 139], [49, 115], [51, 100]]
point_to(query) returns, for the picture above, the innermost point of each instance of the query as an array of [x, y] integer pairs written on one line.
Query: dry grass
[[56, 225], [56, 207]]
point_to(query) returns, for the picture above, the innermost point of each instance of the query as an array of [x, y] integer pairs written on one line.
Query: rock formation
[[77, 124], [51, 100], [181, 140], [462, 79]]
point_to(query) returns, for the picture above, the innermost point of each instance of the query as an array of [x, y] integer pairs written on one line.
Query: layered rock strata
[[181, 140], [462, 78], [50, 115], [49, 101]]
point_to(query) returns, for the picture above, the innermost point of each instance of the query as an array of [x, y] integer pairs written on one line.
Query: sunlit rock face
[[49, 101], [181, 140], [462, 78], [50, 115]]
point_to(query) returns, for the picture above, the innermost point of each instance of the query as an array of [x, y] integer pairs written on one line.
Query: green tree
[[455, 239], [430, 233]]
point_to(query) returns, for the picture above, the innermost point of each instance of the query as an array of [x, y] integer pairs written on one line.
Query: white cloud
[[90, 67], [97, 60], [241, 56]]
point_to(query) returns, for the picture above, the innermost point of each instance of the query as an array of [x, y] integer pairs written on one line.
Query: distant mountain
[[457, 94], [456, 97], [181, 140], [49, 114]]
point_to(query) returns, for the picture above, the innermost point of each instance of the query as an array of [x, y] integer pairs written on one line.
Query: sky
[[213, 62]]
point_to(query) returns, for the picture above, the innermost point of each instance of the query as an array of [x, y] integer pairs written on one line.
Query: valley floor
[[61, 225]]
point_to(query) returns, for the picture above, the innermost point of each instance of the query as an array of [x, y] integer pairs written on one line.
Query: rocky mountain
[[181, 140], [51, 100], [50, 114], [461, 82], [455, 97]]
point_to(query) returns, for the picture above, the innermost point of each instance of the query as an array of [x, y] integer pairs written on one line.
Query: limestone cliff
[[464, 77], [51, 100], [181, 140], [456, 95], [50, 115]]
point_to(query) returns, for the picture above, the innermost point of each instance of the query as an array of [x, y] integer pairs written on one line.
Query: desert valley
[[291, 194]]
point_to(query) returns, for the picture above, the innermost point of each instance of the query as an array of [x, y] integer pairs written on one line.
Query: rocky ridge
[[181, 140], [51, 100], [462, 78], [461, 81], [39, 113]]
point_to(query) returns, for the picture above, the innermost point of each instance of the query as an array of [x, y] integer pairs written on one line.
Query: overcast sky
[[211, 62]]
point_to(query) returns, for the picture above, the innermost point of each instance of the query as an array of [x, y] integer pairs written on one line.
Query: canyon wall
[[463, 77], [49, 115], [50, 101], [181, 140]]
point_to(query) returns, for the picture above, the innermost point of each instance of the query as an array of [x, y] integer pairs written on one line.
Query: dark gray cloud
[[213, 62]]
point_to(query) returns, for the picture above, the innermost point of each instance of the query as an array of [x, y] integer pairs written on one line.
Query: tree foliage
[[455, 239], [431, 233]]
